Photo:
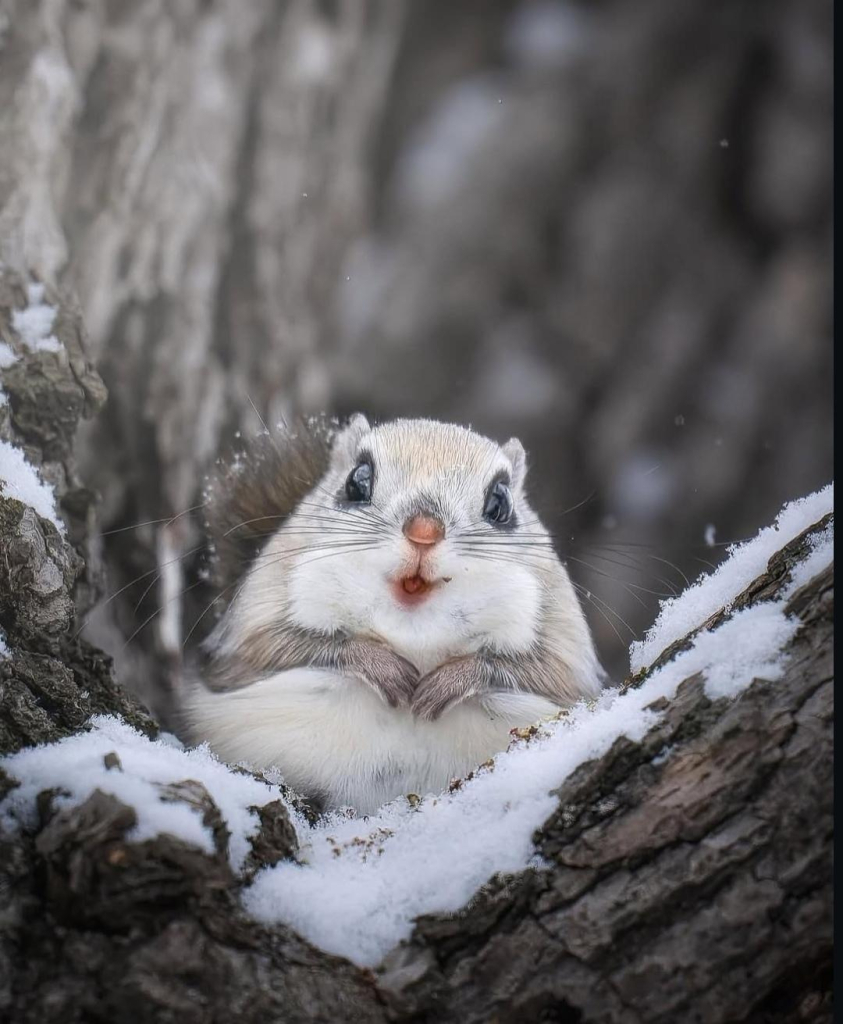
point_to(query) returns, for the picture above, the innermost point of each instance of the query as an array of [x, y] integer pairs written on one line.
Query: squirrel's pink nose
[[424, 530]]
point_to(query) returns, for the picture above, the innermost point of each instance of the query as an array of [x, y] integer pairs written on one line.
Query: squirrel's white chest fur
[[332, 736]]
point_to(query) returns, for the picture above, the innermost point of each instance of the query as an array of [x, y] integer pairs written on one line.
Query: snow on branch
[[20, 480], [681, 615]]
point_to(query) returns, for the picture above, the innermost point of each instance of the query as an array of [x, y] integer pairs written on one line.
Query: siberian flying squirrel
[[404, 613]]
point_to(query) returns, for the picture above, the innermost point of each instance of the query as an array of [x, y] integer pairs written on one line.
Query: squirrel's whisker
[[597, 602], [167, 521], [158, 610], [157, 569]]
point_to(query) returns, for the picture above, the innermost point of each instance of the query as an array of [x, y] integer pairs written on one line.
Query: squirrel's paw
[[447, 685], [392, 676]]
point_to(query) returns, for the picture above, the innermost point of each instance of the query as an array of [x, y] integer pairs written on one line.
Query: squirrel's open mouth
[[415, 584], [411, 590]]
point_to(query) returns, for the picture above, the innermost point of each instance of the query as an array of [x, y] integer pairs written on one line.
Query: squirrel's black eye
[[498, 507], [358, 486]]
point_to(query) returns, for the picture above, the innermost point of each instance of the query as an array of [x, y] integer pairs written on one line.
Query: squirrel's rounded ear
[[347, 439], [514, 451], [357, 425]]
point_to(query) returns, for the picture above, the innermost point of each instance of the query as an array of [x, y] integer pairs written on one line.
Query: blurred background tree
[[603, 227]]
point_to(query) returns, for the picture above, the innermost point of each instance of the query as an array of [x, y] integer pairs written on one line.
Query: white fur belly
[[333, 738]]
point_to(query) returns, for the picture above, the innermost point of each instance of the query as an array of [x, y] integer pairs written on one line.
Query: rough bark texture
[[689, 874], [48, 580]]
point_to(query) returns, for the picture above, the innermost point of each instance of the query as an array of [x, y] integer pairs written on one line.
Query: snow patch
[[681, 615], [20, 480], [7, 356], [75, 766], [34, 324], [4, 648], [820, 556], [754, 637]]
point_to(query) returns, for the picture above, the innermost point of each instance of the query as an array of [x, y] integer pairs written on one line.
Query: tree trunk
[[688, 875], [602, 228], [193, 172]]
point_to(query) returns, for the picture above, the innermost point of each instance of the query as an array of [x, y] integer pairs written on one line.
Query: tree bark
[[688, 876]]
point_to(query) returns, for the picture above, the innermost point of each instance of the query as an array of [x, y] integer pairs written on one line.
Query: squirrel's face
[[422, 536]]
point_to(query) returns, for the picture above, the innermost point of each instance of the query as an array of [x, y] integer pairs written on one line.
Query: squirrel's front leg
[[457, 680], [392, 676]]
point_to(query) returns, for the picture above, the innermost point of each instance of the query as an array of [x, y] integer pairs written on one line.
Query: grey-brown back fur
[[250, 494]]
